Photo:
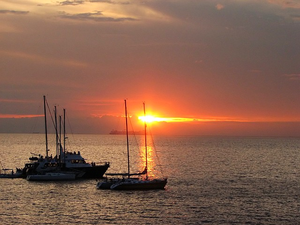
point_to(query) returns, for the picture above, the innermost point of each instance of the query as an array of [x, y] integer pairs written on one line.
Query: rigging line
[[53, 122], [154, 147], [72, 133], [51, 116], [134, 134], [131, 125]]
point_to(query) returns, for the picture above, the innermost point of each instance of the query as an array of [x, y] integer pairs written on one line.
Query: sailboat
[[133, 181], [64, 162]]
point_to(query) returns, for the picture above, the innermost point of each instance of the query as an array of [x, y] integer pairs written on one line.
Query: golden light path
[[152, 164]]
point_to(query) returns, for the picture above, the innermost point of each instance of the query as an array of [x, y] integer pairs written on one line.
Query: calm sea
[[211, 180]]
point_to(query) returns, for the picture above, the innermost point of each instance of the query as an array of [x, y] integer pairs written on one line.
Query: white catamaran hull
[[51, 177]]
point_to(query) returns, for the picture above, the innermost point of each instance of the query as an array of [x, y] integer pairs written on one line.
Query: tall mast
[[56, 132], [60, 121], [128, 165], [64, 133], [146, 150], [46, 132], [60, 144]]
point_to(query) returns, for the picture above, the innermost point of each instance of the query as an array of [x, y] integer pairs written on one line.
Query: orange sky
[[228, 65]]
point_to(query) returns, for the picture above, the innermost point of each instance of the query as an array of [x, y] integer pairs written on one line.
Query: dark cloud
[[16, 12], [79, 2], [80, 16], [94, 16], [76, 2], [104, 1]]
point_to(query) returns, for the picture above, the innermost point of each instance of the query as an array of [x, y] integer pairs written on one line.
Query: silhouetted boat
[[9, 173], [64, 160], [73, 162], [132, 181]]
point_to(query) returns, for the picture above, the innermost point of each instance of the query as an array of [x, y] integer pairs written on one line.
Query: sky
[[208, 67]]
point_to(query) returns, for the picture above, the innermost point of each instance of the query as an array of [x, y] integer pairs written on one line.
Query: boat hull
[[88, 172], [132, 184], [107, 183], [10, 175], [104, 185], [51, 177], [94, 172]]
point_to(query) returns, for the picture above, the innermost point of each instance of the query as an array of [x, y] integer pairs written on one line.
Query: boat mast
[[146, 150], [60, 144], [64, 135], [60, 130], [46, 132], [128, 165], [56, 132]]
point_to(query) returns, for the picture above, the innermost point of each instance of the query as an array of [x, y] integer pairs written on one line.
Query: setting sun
[[149, 119]]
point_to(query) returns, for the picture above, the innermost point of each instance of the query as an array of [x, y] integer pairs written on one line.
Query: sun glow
[[148, 119], [151, 119]]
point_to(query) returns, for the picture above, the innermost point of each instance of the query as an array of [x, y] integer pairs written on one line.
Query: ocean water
[[211, 180]]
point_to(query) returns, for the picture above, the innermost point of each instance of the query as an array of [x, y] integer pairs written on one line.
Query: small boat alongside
[[10, 173], [52, 177], [133, 181]]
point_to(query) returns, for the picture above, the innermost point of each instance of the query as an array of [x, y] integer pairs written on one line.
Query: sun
[[152, 119], [148, 119]]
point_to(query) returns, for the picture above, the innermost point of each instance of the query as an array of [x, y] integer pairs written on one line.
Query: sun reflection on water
[[151, 165]]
